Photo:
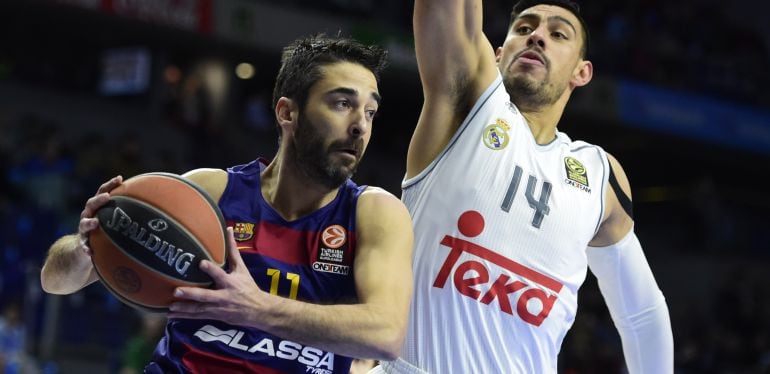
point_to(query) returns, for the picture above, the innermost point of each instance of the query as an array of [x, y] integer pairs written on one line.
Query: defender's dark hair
[[571, 6], [303, 59]]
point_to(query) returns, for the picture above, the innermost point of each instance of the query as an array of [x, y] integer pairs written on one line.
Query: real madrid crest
[[495, 136]]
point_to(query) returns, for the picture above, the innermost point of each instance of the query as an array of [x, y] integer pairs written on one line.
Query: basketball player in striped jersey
[[309, 250], [509, 212]]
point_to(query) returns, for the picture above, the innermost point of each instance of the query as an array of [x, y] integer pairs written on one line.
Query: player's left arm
[[635, 302], [374, 327]]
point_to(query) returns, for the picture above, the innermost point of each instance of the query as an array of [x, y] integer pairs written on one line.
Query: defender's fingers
[[110, 184]]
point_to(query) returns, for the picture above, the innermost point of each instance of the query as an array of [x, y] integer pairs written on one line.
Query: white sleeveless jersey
[[501, 228]]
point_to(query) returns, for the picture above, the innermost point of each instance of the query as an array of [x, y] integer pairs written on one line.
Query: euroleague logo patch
[[577, 176], [334, 236], [331, 257], [495, 136]]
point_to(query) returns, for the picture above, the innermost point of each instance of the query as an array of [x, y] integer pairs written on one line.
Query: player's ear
[[286, 113], [582, 74]]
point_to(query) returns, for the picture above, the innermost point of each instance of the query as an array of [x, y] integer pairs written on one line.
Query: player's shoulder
[[379, 212], [213, 181], [583, 150], [579, 145], [376, 200], [377, 195]]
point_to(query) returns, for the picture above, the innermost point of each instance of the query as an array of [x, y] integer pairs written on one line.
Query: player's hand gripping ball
[[152, 235]]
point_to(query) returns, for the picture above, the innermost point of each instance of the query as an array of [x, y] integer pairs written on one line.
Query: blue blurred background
[[94, 88]]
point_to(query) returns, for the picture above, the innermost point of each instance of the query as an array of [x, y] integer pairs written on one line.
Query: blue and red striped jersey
[[308, 259]]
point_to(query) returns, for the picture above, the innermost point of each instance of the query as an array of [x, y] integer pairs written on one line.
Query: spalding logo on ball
[[152, 235]]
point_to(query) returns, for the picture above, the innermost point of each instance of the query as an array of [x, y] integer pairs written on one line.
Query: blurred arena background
[[93, 88]]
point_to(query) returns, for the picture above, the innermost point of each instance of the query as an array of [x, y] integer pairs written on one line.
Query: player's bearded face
[[532, 89], [315, 154]]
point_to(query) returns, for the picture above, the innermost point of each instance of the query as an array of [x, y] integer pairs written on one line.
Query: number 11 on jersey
[[275, 277]]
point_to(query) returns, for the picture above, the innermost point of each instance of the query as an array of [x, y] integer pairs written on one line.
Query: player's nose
[[536, 37], [359, 126]]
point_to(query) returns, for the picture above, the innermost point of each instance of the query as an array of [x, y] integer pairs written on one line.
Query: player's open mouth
[[532, 58]]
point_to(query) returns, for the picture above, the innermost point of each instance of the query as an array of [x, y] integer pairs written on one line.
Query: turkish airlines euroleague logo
[[471, 278], [330, 256], [333, 236]]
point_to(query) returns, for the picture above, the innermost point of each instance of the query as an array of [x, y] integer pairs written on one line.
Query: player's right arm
[[456, 63], [68, 266]]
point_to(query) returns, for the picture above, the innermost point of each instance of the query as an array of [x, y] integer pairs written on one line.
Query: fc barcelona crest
[[243, 231]]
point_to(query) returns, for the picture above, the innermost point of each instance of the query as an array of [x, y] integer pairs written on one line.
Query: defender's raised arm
[[456, 64]]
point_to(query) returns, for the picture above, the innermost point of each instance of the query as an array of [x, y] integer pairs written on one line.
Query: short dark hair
[[571, 6], [303, 59]]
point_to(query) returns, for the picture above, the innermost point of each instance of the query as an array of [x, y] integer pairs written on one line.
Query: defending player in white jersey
[[509, 213]]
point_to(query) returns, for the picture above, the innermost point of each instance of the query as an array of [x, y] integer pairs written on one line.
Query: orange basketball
[[152, 235]]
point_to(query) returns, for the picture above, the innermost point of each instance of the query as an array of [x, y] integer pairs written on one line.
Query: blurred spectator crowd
[[695, 45]]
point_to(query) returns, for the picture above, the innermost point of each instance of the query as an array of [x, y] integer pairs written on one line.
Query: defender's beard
[[528, 93]]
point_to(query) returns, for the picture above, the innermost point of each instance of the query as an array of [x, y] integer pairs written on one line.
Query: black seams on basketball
[[152, 235], [154, 239]]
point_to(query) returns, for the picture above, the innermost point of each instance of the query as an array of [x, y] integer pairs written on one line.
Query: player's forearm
[[356, 330], [648, 343], [636, 304], [67, 268]]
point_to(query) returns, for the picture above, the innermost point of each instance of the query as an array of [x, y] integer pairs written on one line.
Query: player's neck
[[544, 120], [291, 194]]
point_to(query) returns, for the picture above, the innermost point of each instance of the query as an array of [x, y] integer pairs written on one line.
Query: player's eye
[[522, 30], [342, 104], [559, 35]]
